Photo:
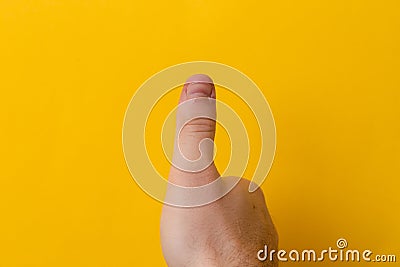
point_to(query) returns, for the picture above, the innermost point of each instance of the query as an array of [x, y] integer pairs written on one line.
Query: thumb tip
[[199, 85], [199, 78]]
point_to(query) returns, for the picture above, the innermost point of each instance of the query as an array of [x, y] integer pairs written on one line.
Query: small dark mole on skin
[[254, 206]]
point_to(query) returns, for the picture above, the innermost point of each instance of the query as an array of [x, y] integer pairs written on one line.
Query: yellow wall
[[329, 69]]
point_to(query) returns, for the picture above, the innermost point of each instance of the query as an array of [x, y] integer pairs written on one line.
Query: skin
[[227, 232]]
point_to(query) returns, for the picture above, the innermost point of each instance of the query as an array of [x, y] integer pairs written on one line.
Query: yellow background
[[329, 69]]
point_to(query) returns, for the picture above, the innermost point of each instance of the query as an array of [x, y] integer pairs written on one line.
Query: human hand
[[227, 232]]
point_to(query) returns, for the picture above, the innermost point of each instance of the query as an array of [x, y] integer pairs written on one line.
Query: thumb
[[196, 114]]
